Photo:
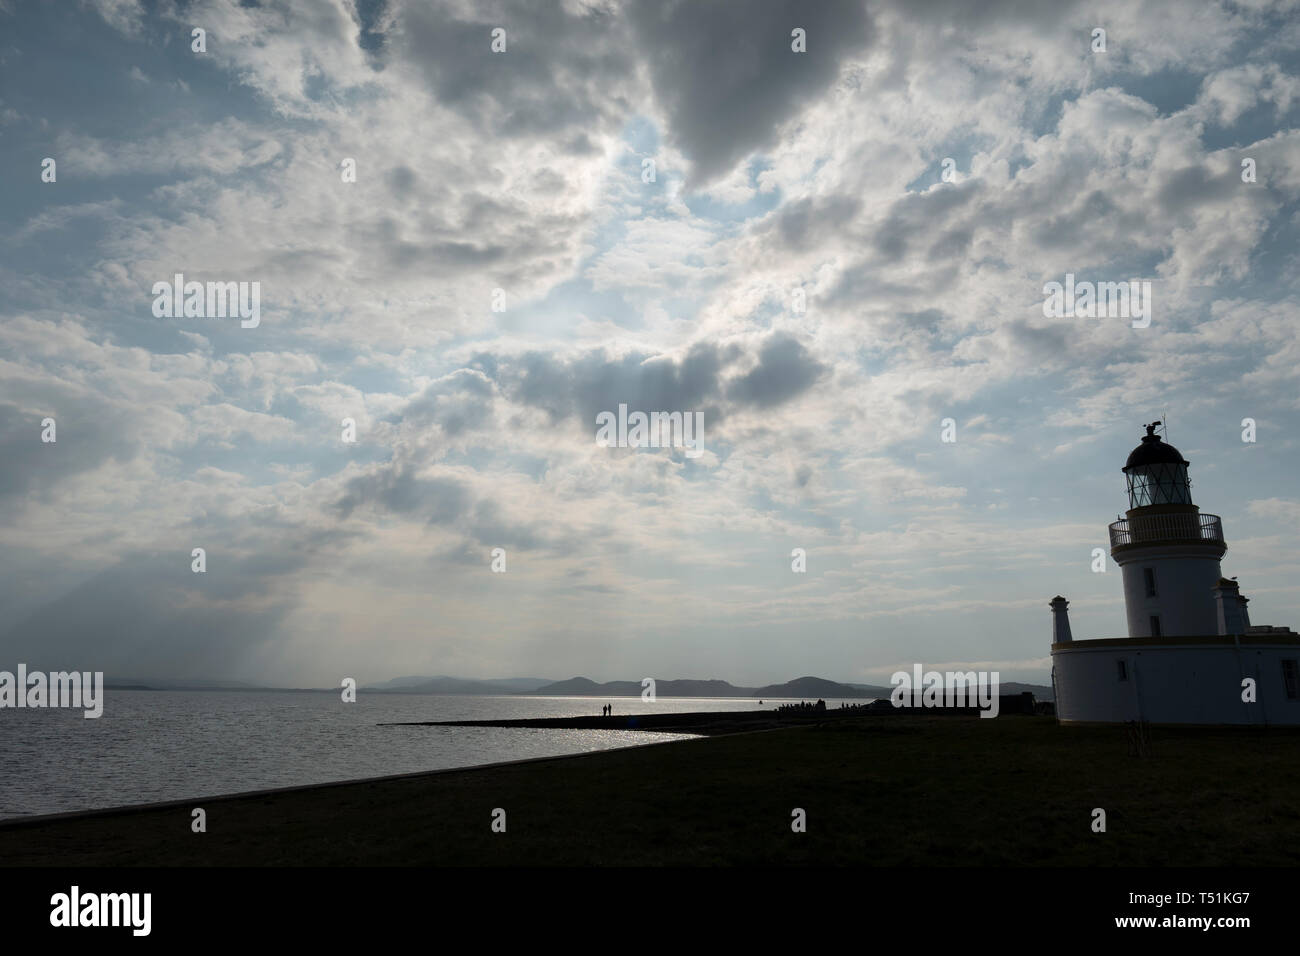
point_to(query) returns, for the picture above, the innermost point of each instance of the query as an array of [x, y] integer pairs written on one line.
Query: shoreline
[[915, 790], [7, 823], [719, 722], [704, 723], [685, 724]]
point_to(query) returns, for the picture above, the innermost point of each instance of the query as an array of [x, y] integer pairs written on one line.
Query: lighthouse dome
[[1154, 451], [1157, 473]]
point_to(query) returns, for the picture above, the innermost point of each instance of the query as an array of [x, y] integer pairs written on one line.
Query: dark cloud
[[954, 244], [920, 216], [1038, 347], [151, 615], [807, 222], [560, 70], [726, 77], [1062, 231], [785, 369], [581, 145], [401, 179], [1193, 186], [544, 382], [459, 403], [445, 234], [395, 487], [595, 383], [448, 502], [577, 390], [650, 384], [491, 528], [370, 16], [86, 437]]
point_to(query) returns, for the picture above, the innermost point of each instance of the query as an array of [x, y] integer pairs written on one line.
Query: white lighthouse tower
[[1191, 655], [1168, 551]]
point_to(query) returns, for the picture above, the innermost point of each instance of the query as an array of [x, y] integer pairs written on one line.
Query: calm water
[[171, 745]]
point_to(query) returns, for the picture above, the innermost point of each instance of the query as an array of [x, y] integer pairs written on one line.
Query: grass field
[[898, 791]]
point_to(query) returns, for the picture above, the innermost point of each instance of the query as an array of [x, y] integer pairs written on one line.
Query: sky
[[798, 270]]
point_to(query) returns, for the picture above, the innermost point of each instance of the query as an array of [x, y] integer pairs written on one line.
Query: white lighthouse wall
[[1184, 600], [1174, 684]]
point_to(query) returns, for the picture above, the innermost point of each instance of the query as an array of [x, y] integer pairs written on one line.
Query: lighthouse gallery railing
[[1174, 527]]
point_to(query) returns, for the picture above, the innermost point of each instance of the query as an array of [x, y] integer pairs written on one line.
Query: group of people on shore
[[803, 707]]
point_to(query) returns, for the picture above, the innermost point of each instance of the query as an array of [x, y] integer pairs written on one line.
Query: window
[[1123, 670], [1155, 625], [1291, 678], [1162, 483], [1149, 577]]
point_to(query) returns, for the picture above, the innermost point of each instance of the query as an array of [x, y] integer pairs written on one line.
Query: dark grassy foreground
[[903, 791]]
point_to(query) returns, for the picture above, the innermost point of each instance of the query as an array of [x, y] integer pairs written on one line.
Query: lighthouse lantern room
[[1157, 474]]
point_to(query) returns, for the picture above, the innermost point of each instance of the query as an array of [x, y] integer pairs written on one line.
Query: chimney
[[1060, 620], [1231, 607]]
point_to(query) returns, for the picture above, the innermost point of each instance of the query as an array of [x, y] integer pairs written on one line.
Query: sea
[[153, 745]]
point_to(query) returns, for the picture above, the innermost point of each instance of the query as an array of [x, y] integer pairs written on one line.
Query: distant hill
[[397, 683], [585, 687], [168, 683], [456, 685], [812, 687], [1039, 691], [521, 684], [872, 690], [801, 688]]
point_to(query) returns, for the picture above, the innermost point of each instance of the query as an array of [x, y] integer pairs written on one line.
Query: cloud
[[399, 489], [150, 615], [785, 369], [521, 171], [726, 76], [560, 72], [84, 440]]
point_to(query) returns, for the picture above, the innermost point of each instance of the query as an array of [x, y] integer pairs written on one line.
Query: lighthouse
[[1168, 551], [1191, 655]]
